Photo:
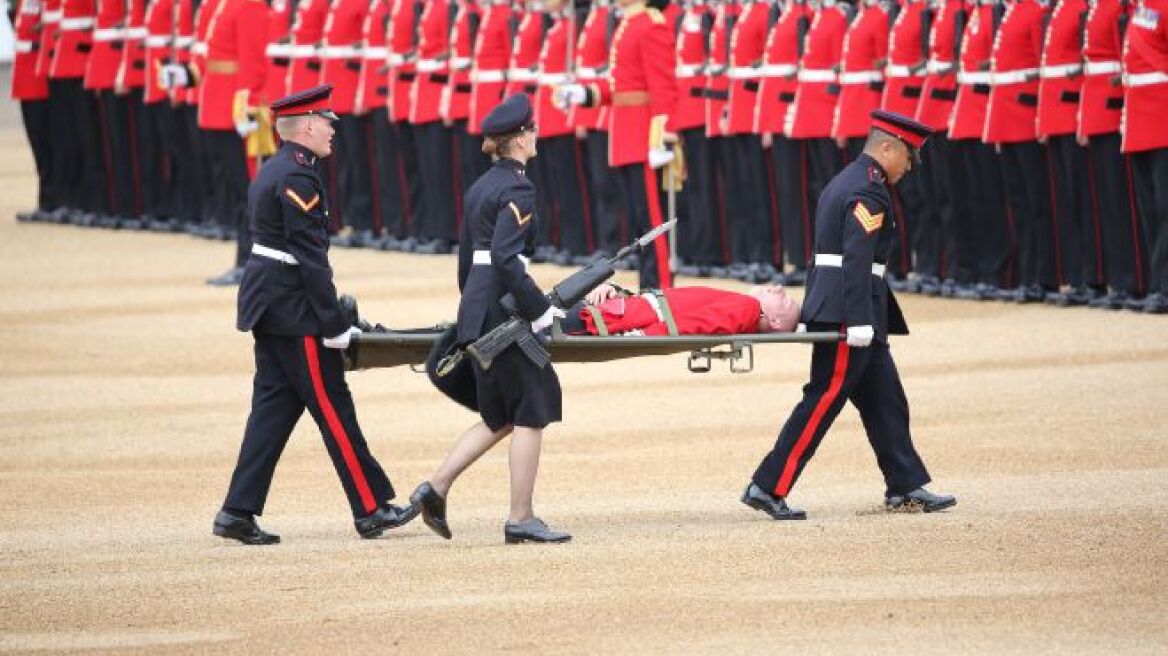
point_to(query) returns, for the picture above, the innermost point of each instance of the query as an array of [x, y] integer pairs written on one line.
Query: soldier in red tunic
[[1011, 126], [1100, 110], [456, 99], [101, 67], [161, 124], [145, 153], [402, 41], [31, 90], [437, 227], [1145, 138], [717, 95], [777, 91]]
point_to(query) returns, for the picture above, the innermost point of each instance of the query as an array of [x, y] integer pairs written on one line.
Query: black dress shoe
[[1156, 303], [919, 499], [929, 285], [796, 278], [1135, 304], [381, 520], [433, 508], [776, 507], [229, 278], [1114, 300], [532, 530], [244, 529]]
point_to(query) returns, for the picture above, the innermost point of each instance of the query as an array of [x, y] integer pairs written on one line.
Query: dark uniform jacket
[[854, 220], [288, 212], [500, 218]]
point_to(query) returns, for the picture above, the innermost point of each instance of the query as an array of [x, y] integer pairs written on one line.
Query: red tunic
[[74, 40], [373, 89], [457, 107], [719, 83], [27, 84], [132, 67], [904, 75], [1062, 69], [695, 310], [159, 41], [973, 78], [492, 53], [307, 32], [864, 51], [1101, 99], [1145, 68], [1012, 113], [940, 89], [591, 60], [747, 47], [814, 108], [109, 40], [341, 53], [50, 23], [279, 49], [553, 69], [523, 69], [640, 84], [777, 90], [433, 63], [235, 60], [403, 26]]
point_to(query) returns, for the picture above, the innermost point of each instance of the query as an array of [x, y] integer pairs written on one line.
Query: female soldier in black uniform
[[516, 397]]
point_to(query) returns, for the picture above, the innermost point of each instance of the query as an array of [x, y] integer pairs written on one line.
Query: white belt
[[51, 16], [860, 77], [277, 50], [1144, 79], [431, 65], [103, 34], [157, 41], [937, 67], [183, 41], [1013, 77], [77, 23], [837, 261], [589, 73], [978, 77], [552, 79], [339, 52], [199, 48], [1060, 70], [687, 70], [302, 51], [136, 33], [817, 75], [522, 75], [460, 63], [1103, 68], [743, 72], [396, 59], [488, 76], [779, 70], [273, 254], [24, 46], [897, 70], [654, 303], [376, 53], [483, 258]]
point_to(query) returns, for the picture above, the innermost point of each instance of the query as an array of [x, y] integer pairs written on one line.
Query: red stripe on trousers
[[335, 427], [825, 401], [660, 244]]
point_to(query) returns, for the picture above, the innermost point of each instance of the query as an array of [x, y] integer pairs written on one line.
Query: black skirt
[[514, 391]]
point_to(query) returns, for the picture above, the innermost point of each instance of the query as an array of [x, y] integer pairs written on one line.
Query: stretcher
[[379, 347]]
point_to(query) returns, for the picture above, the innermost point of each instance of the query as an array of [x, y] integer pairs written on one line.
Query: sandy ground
[[124, 388]]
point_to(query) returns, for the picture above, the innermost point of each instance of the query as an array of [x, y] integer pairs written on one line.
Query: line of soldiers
[[1049, 180]]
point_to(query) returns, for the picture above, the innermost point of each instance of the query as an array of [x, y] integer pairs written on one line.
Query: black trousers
[[294, 374], [1150, 181], [983, 232], [162, 125], [930, 197], [868, 378], [472, 164], [150, 176], [609, 205], [561, 177], [117, 148], [37, 122], [353, 162], [1026, 173], [747, 200], [435, 163], [390, 191], [414, 200], [1079, 252], [229, 171], [824, 161], [194, 170], [78, 170], [698, 235], [644, 207], [1124, 256], [795, 215]]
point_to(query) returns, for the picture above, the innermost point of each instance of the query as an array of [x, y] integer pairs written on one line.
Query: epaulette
[[656, 15], [875, 174], [301, 159]]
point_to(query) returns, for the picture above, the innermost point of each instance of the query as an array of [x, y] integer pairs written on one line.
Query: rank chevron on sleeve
[[868, 221]]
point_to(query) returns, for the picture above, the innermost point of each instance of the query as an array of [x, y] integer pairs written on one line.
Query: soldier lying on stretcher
[[697, 310]]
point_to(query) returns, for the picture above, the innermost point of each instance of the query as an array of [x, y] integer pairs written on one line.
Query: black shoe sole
[[520, 539], [913, 506], [764, 508], [250, 541]]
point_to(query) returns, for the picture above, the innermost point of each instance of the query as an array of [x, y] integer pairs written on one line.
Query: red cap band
[[909, 137]]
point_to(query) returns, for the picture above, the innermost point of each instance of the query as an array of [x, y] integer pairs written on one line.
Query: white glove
[[545, 320], [860, 336], [245, 128], [569, 94], [174, 76], [659, 158], [341, 341]]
